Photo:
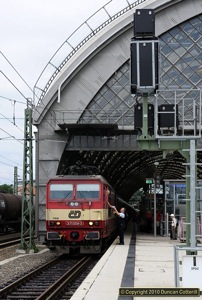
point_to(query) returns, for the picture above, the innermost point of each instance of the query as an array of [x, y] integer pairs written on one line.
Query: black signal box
[[168, 116], [144, 66], [144, 22], [138, 116]]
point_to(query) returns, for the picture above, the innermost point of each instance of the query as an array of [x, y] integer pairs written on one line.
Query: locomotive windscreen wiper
[[68, 195]]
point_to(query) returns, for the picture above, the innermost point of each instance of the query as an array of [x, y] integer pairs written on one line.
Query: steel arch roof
[[122, 168], [83, 53], [127, 170], [95, 73]]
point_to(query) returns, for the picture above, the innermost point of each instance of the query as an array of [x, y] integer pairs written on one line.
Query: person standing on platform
[[158, 221], [149, 221], [121, 222], [173, 227]]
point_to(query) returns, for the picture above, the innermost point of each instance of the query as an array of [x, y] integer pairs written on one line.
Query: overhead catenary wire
[[36, 109], [6, 164], [28, 103], [12, 100], [11, 122], [10, 166], [6, 179], [10, 160], [16, 71], [13, 85], [11, 135]]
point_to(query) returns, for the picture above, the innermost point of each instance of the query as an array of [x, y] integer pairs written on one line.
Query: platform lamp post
[[156, 163]]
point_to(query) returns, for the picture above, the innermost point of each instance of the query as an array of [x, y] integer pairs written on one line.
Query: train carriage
[[10, 211], [77, 214]]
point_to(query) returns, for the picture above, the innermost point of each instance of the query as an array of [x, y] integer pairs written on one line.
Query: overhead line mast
[[27, 226]]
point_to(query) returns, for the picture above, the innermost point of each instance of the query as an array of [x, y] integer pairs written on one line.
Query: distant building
[[20, 188]]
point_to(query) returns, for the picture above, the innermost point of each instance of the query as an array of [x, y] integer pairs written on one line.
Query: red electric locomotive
[[77, 214]]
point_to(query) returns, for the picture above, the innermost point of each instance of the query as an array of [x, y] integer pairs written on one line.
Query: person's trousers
[[174, 233], [121, 235]]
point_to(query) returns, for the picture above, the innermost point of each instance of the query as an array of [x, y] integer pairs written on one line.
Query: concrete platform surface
[[151, 262]]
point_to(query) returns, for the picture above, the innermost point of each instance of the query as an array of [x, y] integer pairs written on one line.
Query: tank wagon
[[10, 211], [77, 213]]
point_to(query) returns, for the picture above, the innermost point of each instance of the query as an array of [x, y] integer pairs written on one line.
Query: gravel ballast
[[14, 265]]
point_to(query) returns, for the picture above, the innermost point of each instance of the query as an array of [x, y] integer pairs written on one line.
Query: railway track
[[8, 243], [9, 231], [53, 280]]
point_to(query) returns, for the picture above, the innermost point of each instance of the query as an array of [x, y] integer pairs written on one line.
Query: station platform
[[144, 262]]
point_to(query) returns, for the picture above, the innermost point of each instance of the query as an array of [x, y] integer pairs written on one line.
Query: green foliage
[[36, 250], [6, 188]]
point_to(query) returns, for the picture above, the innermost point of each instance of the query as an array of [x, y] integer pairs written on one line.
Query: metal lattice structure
[[100, 108], [27, 225], [114, 104]]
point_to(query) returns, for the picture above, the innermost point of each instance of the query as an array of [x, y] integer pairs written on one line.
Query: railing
[[103, 17], [178, 114], [93, 116], [121, 117]]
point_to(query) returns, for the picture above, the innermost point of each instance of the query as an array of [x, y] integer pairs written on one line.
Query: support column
[[193, 183]]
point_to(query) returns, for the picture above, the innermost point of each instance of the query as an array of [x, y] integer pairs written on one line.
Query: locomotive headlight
[[90, 223], [96, 223], [74, 204], [58, 223], [52, 223]]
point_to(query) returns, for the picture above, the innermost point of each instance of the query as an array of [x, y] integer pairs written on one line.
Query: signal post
[[172, 123]]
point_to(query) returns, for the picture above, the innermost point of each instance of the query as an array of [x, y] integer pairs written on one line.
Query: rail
[[108, 13], [62, 272]]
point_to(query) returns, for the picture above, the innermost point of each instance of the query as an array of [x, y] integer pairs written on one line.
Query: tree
[[5, 188]]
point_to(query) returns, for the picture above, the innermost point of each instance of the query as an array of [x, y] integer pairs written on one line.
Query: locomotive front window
[[88, 191], [61, 191]]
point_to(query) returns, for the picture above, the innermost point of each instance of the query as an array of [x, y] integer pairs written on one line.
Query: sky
[[31, 31]]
